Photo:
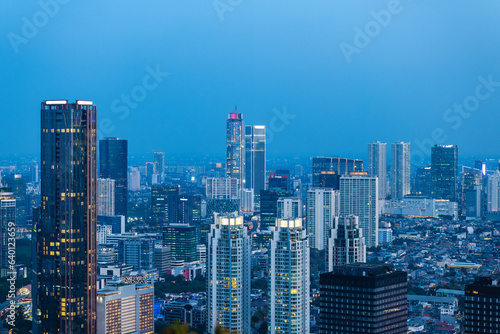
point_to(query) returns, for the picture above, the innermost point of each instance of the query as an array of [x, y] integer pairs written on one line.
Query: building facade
[[235, 147], [113, 156], [289, 278], [363, 298], [341, 166], [125, 308], [377, 165], [359, 197], [482, 299], [400, 170], [444, 171], [105, 197], [182, 240], [255, 159], [322, 208], [228, 275], [346, 243], [64, 284]]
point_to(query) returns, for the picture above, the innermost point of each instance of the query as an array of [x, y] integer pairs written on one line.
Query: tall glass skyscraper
[[377, 166], [444, 171], [113, 165], [400, 170], [235, 147], [64, 284], [255, 160]]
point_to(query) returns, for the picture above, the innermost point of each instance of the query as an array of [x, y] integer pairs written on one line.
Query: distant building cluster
[[323, 245]]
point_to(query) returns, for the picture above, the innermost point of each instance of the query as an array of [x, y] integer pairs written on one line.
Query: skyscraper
[[400, 170], [359, 197], [444, 171], [163, 204], [341, 166], [113, 154], [346, 243], [255, 160], [105, 197], [289, 278], [228, 275], [159, 165], [423, 182], [182, 241], [235, 147], [377, 165], [363, 298], [322, 207], [64, 286], [481, 305], [7, 221], [493, 190]]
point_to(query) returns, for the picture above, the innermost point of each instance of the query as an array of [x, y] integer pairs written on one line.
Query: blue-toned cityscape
[[246, 167]]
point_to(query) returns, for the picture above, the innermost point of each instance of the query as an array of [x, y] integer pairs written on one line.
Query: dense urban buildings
[[64, 287], [363, 298], [377, 165], [444, 171], [113, 159], [289, 276], [346, 243], [400, 170], [228, 275], [17, 184]]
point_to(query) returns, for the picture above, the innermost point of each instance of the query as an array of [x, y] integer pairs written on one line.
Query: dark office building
[[164, 200], [482, 301], [341, 166], [444, 171], [269, 207], [278, 183], [64, 286], [113, 153], [329, 179], [363, 298], [423, 182], [182, 240], [188, 210], [17, 183]]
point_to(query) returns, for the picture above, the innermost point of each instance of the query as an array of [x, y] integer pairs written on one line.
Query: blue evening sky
[[270, 58]]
